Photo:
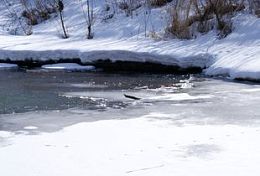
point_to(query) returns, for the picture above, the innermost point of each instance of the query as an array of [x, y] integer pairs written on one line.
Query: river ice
[[210, 127]]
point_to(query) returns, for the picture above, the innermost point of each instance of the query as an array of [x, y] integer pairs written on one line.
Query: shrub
[[180, 28], [204, 16], [128, 6], [159, 3], [38, 13]]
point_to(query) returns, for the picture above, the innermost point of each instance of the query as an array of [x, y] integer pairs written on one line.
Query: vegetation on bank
[[186, 17]]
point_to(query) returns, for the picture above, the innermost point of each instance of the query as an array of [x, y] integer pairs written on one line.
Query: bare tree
[[60, 8], [89, 17]]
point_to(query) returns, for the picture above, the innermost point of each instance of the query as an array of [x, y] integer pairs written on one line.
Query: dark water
[[35, 90], [51, 101]]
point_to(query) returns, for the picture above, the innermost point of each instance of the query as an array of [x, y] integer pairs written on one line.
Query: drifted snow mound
[[238, 55], [69, 66], [4, 66]]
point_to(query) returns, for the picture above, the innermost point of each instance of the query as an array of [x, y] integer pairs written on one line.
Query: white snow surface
[[30, 128], [122, 38], [68, 66], [4, 66], [134, 147]]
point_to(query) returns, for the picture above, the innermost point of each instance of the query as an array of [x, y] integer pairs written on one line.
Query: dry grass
[[128, 6], [159, 3], [203, 16], [180, 28], [37, 14]]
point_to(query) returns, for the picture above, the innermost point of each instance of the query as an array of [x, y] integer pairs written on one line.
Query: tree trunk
[[63, 26]]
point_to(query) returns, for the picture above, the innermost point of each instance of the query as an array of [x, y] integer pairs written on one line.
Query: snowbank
[[68, 66], [122, 38], [238, 56], [4, 66], [146, 50]]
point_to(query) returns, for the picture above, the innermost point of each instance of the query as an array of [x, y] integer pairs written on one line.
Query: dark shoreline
[[109, 66]]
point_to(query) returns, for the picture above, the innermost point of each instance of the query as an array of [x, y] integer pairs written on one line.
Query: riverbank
[[123, 39]]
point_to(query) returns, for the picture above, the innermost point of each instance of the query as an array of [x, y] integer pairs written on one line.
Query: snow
[[137, 147], [238, 55], [122, 38], [180, 96], [4, 66], [145, 96], [151, 143], [68, 66], [30, 128]]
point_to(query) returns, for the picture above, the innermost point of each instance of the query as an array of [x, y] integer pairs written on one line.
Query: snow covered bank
[[238, 56], [146, 50], [122, 39], [133, 147]]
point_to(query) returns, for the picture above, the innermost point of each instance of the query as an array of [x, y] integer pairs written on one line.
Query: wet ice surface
[[41, 90], [182, 125], [54, 99], [38, 101]]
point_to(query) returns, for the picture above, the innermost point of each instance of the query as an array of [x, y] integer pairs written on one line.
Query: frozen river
[[25, 98], [83, 121]]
